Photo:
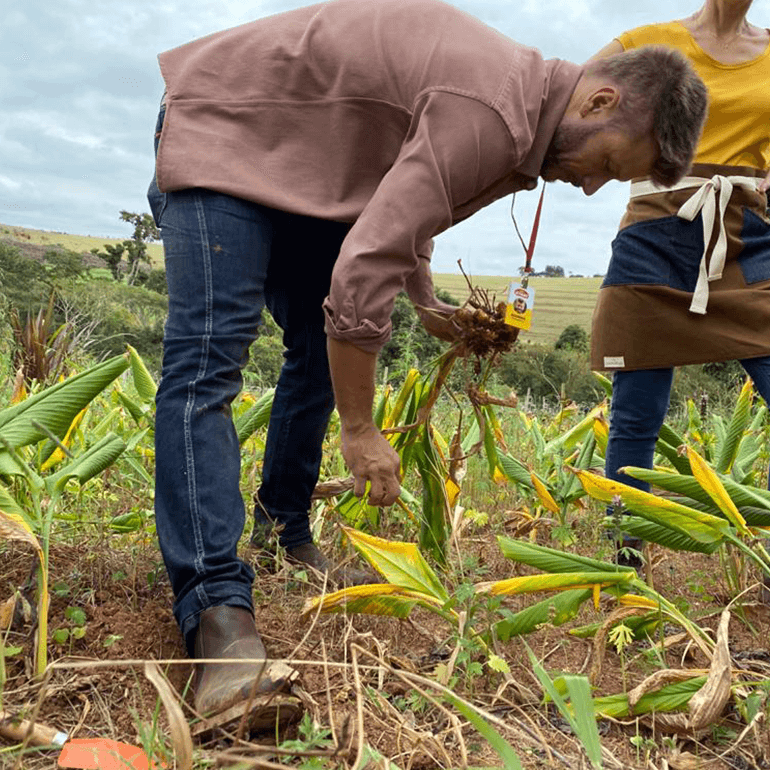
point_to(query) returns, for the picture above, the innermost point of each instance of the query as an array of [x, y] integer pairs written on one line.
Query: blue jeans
[[640, 400], [227, 258]]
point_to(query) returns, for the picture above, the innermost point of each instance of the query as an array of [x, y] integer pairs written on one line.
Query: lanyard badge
[[521, 298]]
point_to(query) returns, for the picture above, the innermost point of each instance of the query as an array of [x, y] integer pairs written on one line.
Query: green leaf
[[255, 417], [143, 381], [556, 610], [585, 729], [132, 408], [657, 533], [515, 470], [434, 529], [672, 697], [552, 560], [57, 406], [89, 464], [579, 691], [75, 615], [739, 421], [582, 463], [504, 749]]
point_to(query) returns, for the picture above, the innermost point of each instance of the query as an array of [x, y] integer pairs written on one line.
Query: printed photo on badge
[[519, 307]]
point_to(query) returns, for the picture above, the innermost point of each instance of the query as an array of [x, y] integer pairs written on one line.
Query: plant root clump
[[483, 332], [480, 325]]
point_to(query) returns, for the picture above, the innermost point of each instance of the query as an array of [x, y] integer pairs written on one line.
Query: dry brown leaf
[[708, 703], [684, 760], [11, 528], [6, 613], [332, 488], [678, 724], [656, 681], [600, 638], [180, 731]]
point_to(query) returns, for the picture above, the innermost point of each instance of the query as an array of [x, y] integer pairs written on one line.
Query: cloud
[[79, 85]]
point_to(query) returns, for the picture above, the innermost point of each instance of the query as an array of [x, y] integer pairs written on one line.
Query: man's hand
[[436, 320], [371, 458]]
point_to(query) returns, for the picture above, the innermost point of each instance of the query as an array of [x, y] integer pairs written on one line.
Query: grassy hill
[[559, 302], [78, 243]]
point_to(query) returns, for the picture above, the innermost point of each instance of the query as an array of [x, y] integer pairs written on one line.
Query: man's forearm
[[371, 459], [352, 371]]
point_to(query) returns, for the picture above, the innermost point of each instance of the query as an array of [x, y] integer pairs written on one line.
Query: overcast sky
[[79, 89]]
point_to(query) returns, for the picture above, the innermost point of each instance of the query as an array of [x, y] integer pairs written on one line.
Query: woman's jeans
[[640, 400], [226, 259]]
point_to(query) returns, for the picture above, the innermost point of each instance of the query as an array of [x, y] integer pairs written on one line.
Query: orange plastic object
[[104, 754]]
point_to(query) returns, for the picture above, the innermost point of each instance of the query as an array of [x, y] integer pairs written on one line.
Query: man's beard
[[566, 139]]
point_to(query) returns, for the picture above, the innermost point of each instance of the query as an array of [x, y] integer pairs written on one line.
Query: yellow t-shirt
[[737, 131]]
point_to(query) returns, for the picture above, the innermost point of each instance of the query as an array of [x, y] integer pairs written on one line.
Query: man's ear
[[604, 99]]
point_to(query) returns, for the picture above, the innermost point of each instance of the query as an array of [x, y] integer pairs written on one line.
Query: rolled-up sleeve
[[456, 148]]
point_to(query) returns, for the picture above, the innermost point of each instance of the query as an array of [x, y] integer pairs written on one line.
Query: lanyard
[[529, 250]]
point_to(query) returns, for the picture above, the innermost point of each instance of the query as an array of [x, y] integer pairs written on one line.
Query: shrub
[[410, 346], [265, 354], [574, 337], [23, 281], [549, 375], [121, 315]]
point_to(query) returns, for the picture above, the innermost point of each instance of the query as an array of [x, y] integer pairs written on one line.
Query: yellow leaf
[[375, 599], [452, 493], [440, 443], [499, 477], [394, 415], [597, 595], [632, 600], [601, 432], [545, 496], [399, 563], [709, 480], [562, 581], [703, 527]]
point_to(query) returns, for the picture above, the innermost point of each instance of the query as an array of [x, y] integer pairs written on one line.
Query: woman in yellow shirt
[[689, 277]]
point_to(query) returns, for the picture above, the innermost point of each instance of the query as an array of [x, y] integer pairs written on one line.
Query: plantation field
[[497, 583], [559, 302]]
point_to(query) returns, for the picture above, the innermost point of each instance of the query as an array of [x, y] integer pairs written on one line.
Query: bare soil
[[97, 687]]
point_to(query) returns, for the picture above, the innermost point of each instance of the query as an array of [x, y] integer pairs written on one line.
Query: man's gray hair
[[660, 91]]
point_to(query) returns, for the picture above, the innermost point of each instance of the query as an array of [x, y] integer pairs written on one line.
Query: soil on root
[[359, 674]]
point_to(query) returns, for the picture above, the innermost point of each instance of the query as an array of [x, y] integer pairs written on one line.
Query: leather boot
[[309, 555], [229, 632], [264, 537]]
